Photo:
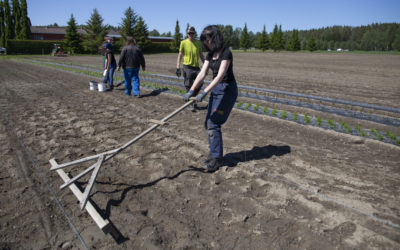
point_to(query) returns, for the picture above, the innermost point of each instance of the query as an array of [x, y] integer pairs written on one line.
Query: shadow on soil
[[231, 160], [256, 153], [107, 212], [154, 92]]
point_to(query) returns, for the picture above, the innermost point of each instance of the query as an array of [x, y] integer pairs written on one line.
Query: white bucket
[[93, 85], [101, 87]]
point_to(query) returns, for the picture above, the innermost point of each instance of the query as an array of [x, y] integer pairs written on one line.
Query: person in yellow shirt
[[191, 49]]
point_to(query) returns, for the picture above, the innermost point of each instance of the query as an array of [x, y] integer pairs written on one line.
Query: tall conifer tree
[[96, 32], [177, 38], [280, 38], [16, 17], [9, 27], [128, 24], [2, 26], [141, 33], [245, 39], [25, 21], [294, 42], [275, 43], [263, 41], [72, 39], [311, 44]]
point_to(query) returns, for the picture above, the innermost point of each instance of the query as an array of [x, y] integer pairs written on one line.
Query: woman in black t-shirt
[[223, 92], [110, 66]]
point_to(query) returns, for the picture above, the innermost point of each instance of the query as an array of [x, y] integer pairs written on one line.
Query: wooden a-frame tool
[[102, 158]]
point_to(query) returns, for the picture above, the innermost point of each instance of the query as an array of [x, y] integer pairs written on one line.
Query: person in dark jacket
[[130, 60], [223, 92]]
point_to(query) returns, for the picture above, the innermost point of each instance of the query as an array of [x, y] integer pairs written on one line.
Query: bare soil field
[[284, 185], [368, 78]]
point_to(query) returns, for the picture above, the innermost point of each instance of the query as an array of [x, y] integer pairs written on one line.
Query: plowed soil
[[283, 186]]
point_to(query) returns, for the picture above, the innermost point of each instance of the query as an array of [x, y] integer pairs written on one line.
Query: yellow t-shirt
[[191, 52]]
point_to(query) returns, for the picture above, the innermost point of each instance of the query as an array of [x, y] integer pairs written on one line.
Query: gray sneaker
[[206, 161], [191, 107]]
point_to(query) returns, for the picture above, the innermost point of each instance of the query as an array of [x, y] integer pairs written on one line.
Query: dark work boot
[[206, 161], [191, 107], [213, 164], [119, 84]]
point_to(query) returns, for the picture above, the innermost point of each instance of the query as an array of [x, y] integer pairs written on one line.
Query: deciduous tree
[[228, 34], [167, 34], [154, 32], [396, 43]]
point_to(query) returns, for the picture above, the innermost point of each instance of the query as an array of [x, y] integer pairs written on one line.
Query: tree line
[[374, 37], [15, 24], [14, 21]]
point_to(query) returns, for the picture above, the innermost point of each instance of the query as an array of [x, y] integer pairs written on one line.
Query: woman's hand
[[201, 96], [187, 96]]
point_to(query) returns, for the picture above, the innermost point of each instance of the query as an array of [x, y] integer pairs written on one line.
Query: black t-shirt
[[225, 54], [113, 61]]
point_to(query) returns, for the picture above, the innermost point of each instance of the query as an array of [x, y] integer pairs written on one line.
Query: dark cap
[[190, 29], [107, 45]]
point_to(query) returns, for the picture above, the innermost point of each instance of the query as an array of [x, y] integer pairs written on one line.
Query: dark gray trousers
[[189, 74]]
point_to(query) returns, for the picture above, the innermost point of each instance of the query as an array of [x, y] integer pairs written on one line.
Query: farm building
[[50, 33], [58, 33]]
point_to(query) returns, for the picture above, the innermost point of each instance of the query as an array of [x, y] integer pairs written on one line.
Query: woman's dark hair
[[103, 48], [213, 35]]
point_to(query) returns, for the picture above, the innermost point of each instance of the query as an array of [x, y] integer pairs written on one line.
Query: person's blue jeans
[[222, 99], [110, 76], [132, 75]]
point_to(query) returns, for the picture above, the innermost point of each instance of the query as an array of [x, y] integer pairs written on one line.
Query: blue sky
[[162, 14]]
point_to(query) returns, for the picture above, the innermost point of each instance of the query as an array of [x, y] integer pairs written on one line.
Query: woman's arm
[[200, 77], [108, 61], [223, 68]]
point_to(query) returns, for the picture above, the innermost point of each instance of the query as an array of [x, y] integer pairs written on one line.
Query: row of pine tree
[[374, 37], [132, 25]]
